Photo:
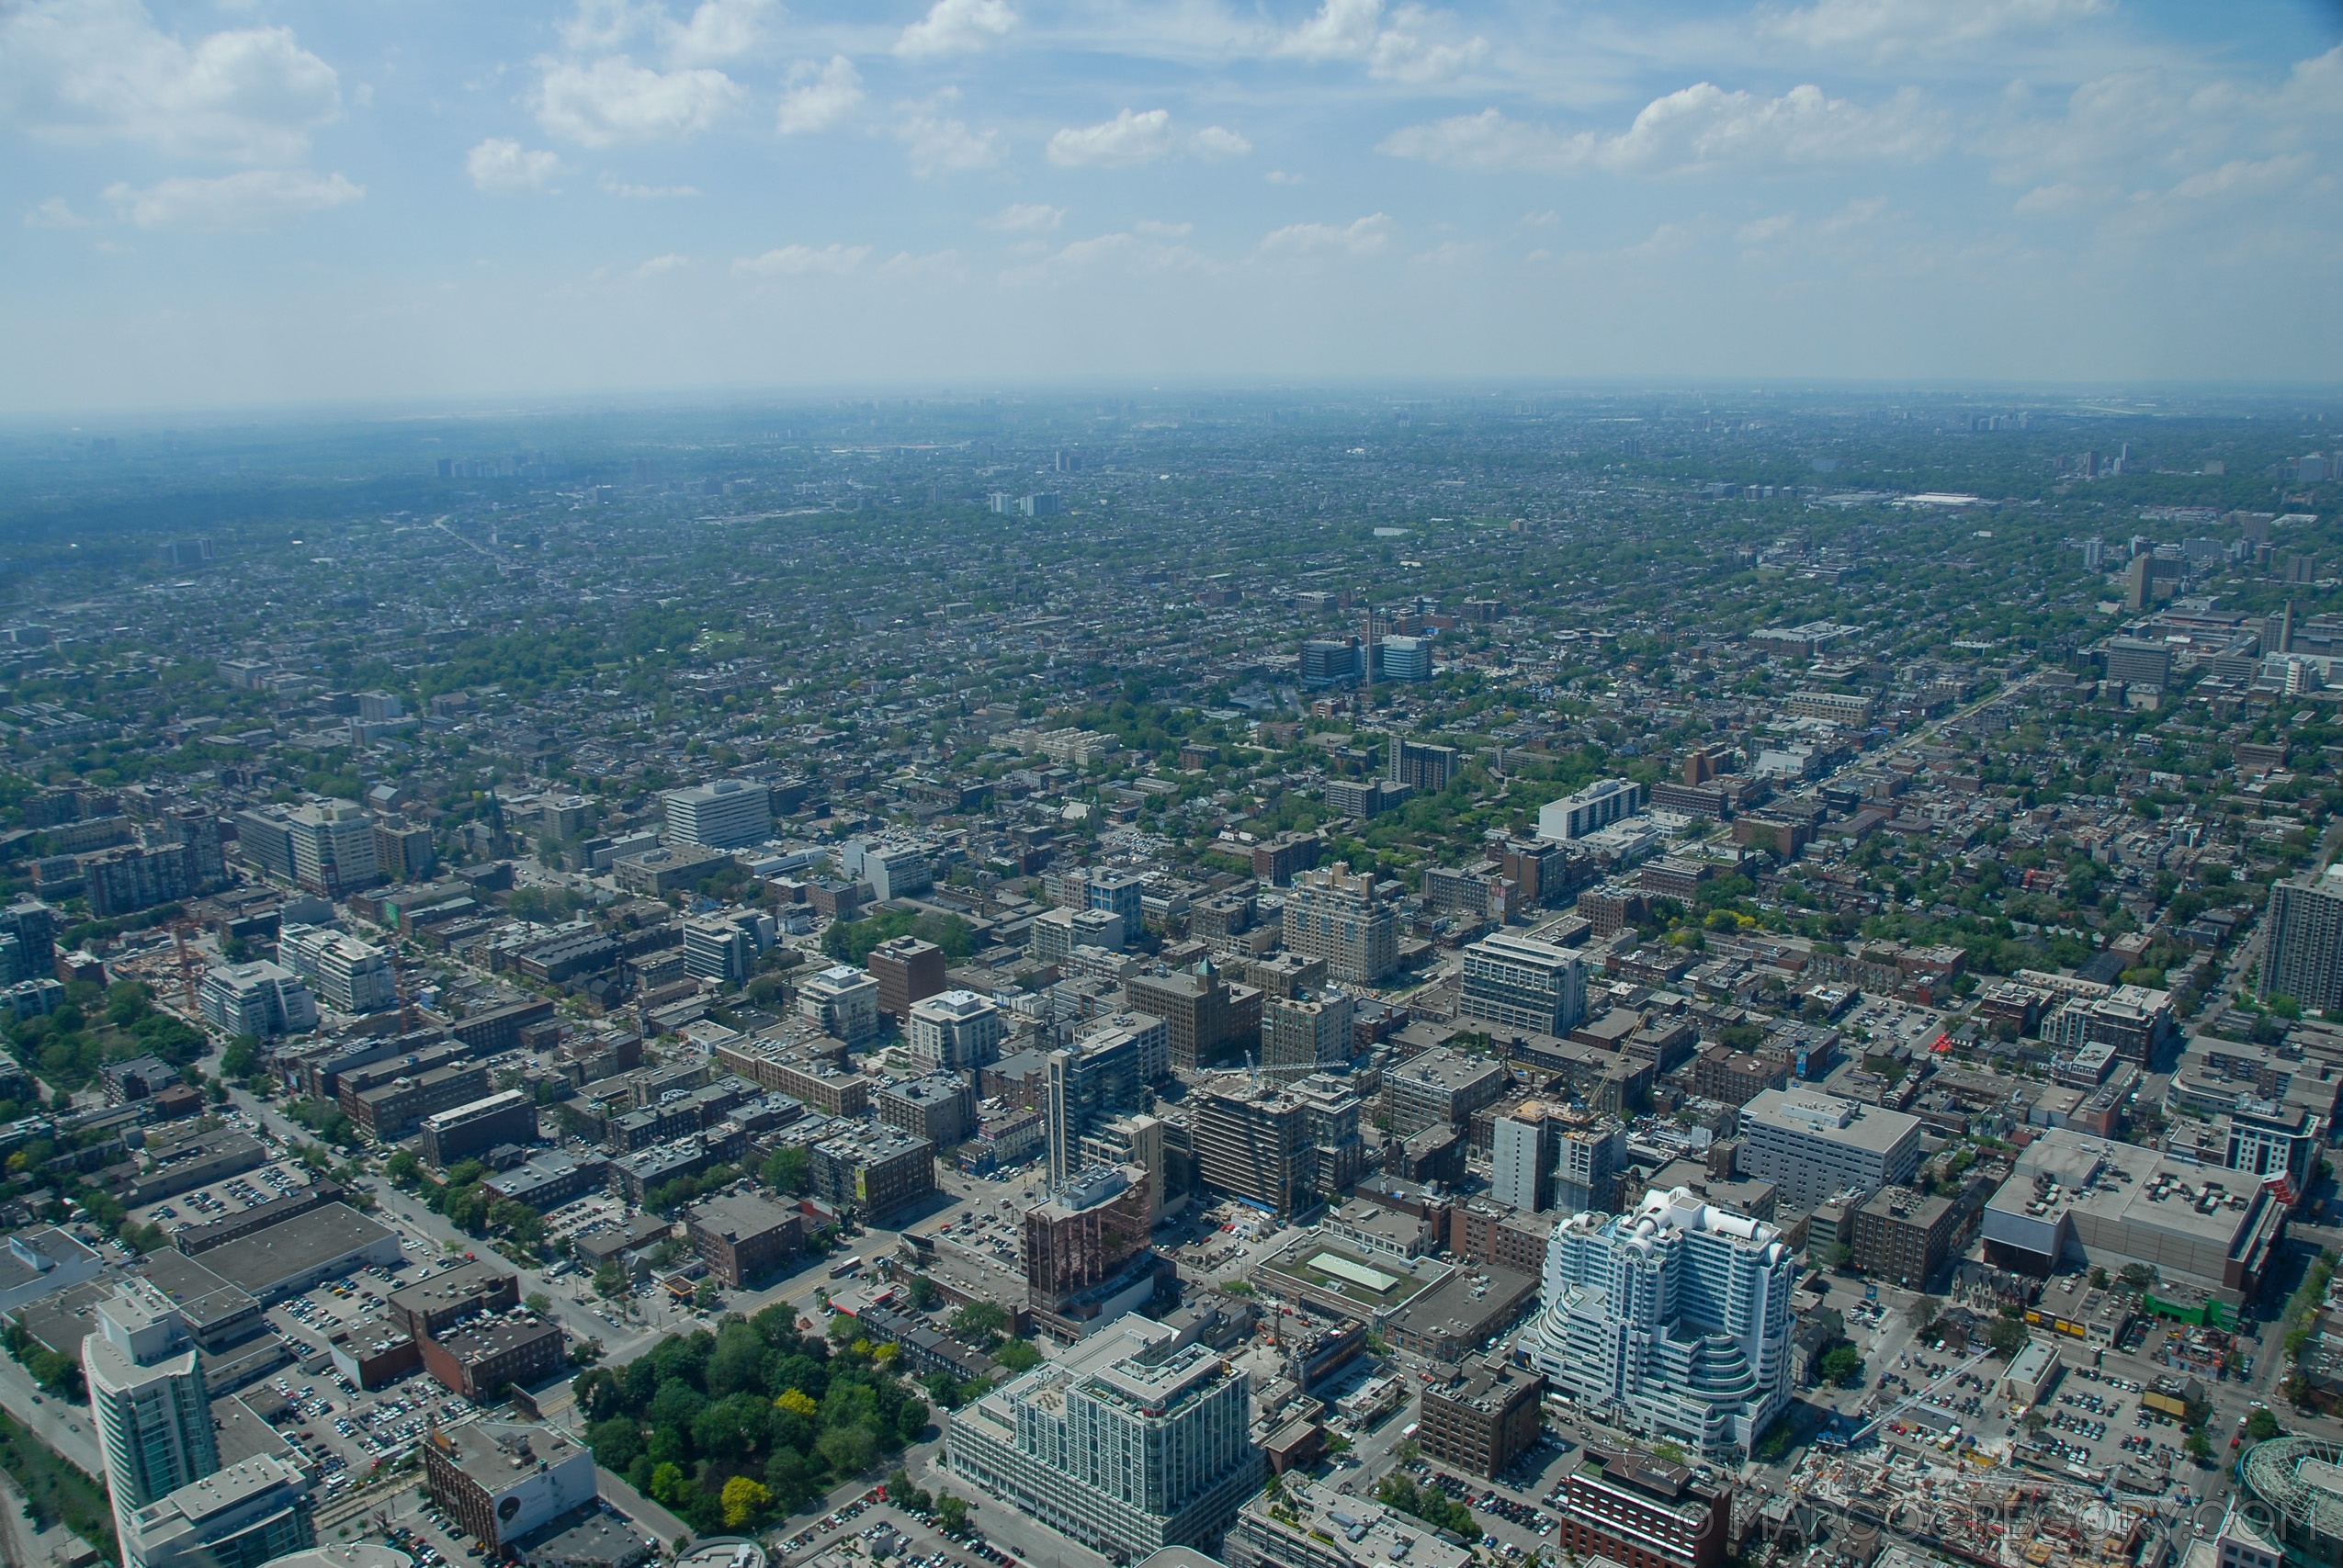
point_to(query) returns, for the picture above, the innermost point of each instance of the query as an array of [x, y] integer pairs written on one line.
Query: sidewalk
[[641, 1509]]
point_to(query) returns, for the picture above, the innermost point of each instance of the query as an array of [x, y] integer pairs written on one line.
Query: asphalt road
[[68, 1429]]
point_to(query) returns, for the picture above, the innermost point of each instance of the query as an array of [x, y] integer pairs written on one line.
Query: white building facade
[[1673, 1318]]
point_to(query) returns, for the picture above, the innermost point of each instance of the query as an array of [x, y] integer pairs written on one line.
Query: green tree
[[951, 1514], [1843, 1365], [787, 1171], [2261, 1425], [610, 1281], [977, 1322]]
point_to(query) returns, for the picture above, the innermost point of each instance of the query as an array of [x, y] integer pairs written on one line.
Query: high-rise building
[[1131, 1443], [1673, 1319], [1119, 893], [333, 848], [1334, 914], [146, 1396], [1591, 809], [347, 974], [1405, 657], [2303, 949], [842, 1002], [1441, 1088], [729, 814], [1330, 661], [248, 1514], [890, 867], [908, 970], [1422, 766], [1194, 1008], [1087, 1260], [953, 1031], [1814, 1146], [265, 838], [1283, 1150], [717, 951], [1312, 1031], [1133, 1140], [1519, 982], [258, 999], [1592, 1152], [2138, 662], [1522, 1151], [1099, 1076]]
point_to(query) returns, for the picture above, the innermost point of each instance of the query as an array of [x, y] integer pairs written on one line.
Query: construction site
[[1847, 1505]]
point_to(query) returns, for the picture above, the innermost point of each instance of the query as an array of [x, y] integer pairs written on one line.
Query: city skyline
[[238, 205]]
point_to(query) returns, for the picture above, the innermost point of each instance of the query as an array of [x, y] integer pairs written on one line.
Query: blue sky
[[255, 201]]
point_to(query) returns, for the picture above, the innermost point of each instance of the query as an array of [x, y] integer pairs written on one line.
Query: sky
[[236, 203]]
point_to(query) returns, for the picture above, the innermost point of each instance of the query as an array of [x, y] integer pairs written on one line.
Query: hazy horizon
[[267, 204]]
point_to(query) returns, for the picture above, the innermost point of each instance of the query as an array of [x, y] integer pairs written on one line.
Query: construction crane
[[1918, 1396], [190, 965]]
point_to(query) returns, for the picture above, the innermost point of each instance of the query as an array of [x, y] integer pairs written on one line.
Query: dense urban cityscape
[[1298, 979]]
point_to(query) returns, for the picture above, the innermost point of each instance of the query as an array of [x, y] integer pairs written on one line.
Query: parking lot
[[2091, 1423], [913, 1534], [228, 1196], [1887, 1021], [345, 1430]]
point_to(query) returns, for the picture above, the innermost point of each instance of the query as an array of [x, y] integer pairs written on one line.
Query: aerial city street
[[1673, 979]]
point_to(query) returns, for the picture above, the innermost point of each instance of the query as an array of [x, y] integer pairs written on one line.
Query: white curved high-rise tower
[[1676, 1316]]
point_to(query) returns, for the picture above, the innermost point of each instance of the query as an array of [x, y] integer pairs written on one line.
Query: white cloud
[[1363, 238], [956, 26], [2066, 196], [819, 95], [1758, 231], [1491, 140], [1161, 231], [657, 264], [616, 186], [1151, 249], [1219, 142], [54, 214], [1027, 218], [937, 266], [1125, 141], [257, 198], [1282, 177], [1405, 57], [1900, 27], [718, 31], [1343, 30], [100, 70], [940, 145], [614, 100], [1698, 129], [1132, 138], [1354, 30], [797, 261], [502, 166]]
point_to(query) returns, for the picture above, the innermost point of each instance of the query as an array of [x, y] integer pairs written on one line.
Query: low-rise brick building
[[744, 1237], [1905, 1236], [480, 1358], [1482, 1419]]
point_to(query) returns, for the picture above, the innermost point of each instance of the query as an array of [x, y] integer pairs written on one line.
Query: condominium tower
[[1673, 1318]]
